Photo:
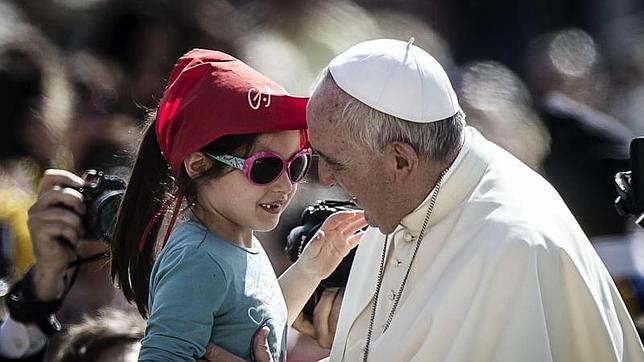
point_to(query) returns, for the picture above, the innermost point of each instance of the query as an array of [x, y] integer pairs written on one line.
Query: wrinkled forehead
[[322, 116], [324, 131]]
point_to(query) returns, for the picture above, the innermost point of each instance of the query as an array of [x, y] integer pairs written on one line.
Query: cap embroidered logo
[[255, 97]]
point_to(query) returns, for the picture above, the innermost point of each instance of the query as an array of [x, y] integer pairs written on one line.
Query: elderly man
[[471, 256]]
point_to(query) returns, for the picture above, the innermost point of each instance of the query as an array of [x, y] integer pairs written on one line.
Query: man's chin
[[373, 223]]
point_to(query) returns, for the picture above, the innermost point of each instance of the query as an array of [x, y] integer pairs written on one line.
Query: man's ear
[[403, 158], [196, 164]]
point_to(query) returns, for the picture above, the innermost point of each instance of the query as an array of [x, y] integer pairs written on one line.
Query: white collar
[[465, 172]]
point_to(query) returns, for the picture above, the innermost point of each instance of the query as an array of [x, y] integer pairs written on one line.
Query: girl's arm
[[320, 257]]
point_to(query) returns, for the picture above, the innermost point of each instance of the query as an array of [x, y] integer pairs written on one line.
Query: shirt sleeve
[[187, 290]]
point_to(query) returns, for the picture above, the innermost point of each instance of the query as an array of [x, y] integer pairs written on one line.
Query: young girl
[[233, 144]]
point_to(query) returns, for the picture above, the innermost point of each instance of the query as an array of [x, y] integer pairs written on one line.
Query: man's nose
[[325, 174]]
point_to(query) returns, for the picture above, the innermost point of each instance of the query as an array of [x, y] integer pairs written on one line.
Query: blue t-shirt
[[205, 289]]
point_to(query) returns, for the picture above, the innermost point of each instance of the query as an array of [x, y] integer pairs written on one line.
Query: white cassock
[[504, 273]]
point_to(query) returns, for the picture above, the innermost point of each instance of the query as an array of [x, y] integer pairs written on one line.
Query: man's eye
[[333, 164], [336, 166]]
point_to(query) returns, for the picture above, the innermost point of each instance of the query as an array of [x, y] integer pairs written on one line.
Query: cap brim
[[289, 112]]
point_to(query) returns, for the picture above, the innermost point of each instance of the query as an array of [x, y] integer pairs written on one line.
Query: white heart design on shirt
[[255, 315]]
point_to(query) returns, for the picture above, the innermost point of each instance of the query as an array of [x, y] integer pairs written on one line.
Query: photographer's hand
[[320, 258], [325, 318], [56, 214]]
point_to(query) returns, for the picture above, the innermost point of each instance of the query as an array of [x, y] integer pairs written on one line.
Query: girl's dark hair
[[149, 186]]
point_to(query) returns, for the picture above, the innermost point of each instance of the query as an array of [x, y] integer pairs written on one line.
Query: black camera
[[630, 185], [102, 195], [311, 220]]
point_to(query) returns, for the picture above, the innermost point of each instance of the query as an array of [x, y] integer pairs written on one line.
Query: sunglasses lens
[[299, 167], [265, 170]]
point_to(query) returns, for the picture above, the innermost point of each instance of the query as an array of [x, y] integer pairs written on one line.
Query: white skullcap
[[397, 78]]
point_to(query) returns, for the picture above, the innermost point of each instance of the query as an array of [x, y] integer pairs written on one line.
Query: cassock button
[[391, 295], [408, 237]]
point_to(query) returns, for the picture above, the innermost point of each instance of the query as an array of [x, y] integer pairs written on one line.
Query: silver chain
[[432, 202]]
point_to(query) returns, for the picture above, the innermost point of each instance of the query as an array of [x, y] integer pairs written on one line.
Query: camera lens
[[104, 211]]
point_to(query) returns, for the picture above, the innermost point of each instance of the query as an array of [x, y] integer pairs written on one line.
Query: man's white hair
[[375, 129]]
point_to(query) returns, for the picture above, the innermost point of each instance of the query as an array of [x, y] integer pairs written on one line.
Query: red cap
[[212, 94]]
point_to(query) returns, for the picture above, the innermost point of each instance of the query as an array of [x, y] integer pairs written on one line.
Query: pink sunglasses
[[264, 167]]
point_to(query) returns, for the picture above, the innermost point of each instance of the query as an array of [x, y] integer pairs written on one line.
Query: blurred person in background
[[96, 139], [141, 41], [626, 51], [136, 41], [499, 105], [44, 287], [471, 254], [106, 149], [307, 34], [100, 139], [568, 75], [35, 100]]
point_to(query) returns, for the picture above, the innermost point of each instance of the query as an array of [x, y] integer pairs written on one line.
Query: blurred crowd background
[[558, 83]]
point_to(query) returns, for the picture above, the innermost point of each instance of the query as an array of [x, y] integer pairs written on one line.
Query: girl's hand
[[331, 243]]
